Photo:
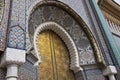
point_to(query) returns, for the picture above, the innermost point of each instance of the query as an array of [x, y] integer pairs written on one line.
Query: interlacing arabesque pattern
[[52, 13]]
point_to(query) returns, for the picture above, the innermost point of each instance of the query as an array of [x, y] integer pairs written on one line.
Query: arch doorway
[[54, 56]]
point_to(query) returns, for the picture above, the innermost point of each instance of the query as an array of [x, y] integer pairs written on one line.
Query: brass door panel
[[54, 56]]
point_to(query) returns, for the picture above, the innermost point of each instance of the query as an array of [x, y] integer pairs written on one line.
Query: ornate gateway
[[56, 63]]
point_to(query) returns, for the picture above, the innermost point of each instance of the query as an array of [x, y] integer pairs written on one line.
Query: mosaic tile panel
[[18, 16], [27, 71], [4, 24], [51, 13], [82, 7], [29, 3], [83, 11], [94, 74], [28, 44], [2, 73], [18, 13], [16, 38], [79, 75], [2, 3], [118, 75]]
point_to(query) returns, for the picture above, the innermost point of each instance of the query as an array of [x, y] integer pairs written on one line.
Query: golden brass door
[[54, 56]]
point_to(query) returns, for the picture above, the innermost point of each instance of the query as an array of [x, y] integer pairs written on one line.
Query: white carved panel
[[15, 56]]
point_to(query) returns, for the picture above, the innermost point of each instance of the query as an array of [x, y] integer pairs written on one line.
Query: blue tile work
[[118, 75], [30, 2], [94, 74], [4, 25], [27, 71], [16, 37], [18, 13], [51, 13], [28, 44], [2, 73], [18, 17], [17, 34], [1, 9], [79, 75]]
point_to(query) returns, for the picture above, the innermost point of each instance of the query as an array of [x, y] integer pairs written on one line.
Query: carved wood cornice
[[110, 8], [111, 18]]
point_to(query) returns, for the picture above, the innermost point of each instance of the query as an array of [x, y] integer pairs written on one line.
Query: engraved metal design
[[53, 53]]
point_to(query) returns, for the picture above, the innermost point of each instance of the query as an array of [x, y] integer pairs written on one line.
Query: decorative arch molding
[[78, 19], [74, 64]]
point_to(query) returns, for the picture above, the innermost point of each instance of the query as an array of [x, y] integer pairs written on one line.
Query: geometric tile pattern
[[22, 13], [4, 25], [30, 2], [28, 44], [18, 13], [79, 75], [51, 13], [2, 73], [1, 9], [118, 75], [27, 71], [94, 74], [16, 38]]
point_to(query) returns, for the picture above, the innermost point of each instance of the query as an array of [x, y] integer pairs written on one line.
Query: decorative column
[[12, 72], [110, 71], [111, 77], [13, 59]]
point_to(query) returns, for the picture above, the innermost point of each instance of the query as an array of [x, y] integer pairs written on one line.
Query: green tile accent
[[107, 31]]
